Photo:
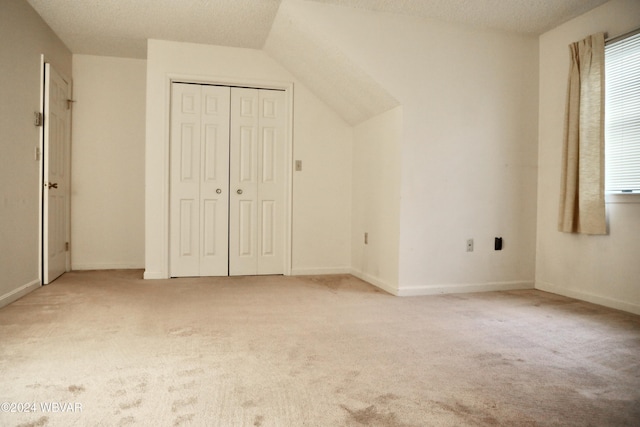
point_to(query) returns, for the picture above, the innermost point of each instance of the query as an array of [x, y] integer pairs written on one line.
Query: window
[[622, 114]]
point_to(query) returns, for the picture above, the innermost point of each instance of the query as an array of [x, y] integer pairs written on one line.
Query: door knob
[[239, 191], [218, 191], [53, 185]]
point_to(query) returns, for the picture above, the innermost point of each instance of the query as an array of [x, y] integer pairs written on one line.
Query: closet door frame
[[287, 87]]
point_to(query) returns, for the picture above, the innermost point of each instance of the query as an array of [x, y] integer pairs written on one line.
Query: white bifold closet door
[[227, 181], [256, 212], [199, 180]]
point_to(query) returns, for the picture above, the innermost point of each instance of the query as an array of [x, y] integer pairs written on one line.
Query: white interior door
[[55, 230], [256, 211], [199, 180]]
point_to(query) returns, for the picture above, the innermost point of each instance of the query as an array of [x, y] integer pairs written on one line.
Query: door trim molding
[[287, 87]]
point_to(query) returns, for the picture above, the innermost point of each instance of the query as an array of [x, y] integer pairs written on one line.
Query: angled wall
[[24, 37], [306, 51], [376, 199]]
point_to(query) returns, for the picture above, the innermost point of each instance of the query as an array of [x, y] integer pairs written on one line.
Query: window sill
[[615, 198]]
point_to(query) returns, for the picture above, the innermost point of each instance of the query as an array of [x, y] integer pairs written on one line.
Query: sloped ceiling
[[122, 27], [325, 69]]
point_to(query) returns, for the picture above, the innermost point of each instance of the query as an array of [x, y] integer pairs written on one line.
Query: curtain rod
[[623, 36]]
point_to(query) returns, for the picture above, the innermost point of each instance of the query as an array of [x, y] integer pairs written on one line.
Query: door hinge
[[66, 246], [37, 119], [70, 103]]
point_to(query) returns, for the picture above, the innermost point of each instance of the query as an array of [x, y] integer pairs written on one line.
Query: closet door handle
[[218, 191], [239, 191]]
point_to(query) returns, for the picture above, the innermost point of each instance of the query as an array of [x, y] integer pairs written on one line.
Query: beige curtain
[[582, 207]]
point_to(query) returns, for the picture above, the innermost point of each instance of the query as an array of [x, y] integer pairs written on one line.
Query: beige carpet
[[310, 351]]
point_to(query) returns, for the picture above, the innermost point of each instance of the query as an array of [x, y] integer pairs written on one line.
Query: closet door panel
[[185, 182], [214, 182], [271, 186], [243, 163], [199, 183]]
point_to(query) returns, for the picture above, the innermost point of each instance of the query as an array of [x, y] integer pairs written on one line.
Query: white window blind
[[622, 115]]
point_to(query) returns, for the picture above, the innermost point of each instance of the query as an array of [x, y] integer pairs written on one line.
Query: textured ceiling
[[521, 16], [121, 27]]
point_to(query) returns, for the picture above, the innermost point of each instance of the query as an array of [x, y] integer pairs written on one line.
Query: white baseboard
[[375, 281], [17, 293], [319, 271], [91, 266], [405, 291], [154, 275], [294, 272], [588, 297]]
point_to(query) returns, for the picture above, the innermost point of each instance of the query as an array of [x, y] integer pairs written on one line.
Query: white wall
[[24, 36], [107, 202], [376, 199], [600, 269], [469, 145], [469, 160], [321, 241], [321, 192]]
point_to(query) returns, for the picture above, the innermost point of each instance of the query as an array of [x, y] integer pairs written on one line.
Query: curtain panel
[[582, 207]]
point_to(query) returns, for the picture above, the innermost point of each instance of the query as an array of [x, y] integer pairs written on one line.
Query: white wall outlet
[[469, 245]]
